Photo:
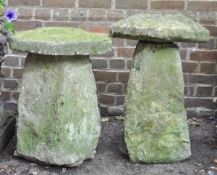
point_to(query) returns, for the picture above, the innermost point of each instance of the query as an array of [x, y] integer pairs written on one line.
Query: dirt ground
[[110, 161]]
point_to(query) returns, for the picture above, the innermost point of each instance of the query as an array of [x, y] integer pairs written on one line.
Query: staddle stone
[[59, 119], [60, 41], [156, 125], [160, 26]]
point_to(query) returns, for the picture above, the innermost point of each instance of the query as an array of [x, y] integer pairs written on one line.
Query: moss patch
[[156, 125], [160, 26], [59, 120], [60, 41]]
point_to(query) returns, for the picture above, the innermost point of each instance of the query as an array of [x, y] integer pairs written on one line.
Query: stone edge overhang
[[136, 33], [61, 48], [116, 32]]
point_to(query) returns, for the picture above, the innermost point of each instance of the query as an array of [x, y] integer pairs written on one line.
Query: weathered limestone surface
[[156, 126], [159, 26], [59, 120], [60, 41]]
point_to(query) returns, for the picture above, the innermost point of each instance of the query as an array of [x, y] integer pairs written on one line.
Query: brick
[[200, 79], [27, 25], [115, 110], [6, 72], [61, 24], [23, 59], [5, 95], [61, 14], [108, 54], [183, 54], [118, 42], [95, 3], [189, 90], [206, 17], [129, 64], [114, 15], [204, 55], [202, 5], [115, 88], [97, 14], [9, 106], [101, 87], [131, 42], [15, 95], [123, 77], [11, 61], [197, 112], [129, 4], [98, 29], [215, 92], [191, 112], [117, 63], [208, 68], [187, 45], [204, 91], [18, 73], [212, 29], [106, 76], [177, 4], [79, 14], [130, 12], [200, 102], [99, 63], [11, 84], [207, 21], [58, 3], [43, 13], [208, 45], [25, 13], [125, 87], [190, 67], [120, 100], [125, 52], [106, 99], [95, 27], [103, 110], [24, 2]]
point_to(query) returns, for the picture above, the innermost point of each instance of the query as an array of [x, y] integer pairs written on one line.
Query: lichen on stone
[[156, 128], [59, 120], [60, 41], [160, 26]]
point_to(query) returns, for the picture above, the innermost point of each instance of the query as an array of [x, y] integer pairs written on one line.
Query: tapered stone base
[[156, 128], [59, 120]]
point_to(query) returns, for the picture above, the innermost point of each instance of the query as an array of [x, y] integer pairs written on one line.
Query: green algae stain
[[156, 125], [60, 41], [59, 34], [160, 26], [55, 122]]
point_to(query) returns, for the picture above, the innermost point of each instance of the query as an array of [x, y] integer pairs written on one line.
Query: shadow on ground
[[110, 161]]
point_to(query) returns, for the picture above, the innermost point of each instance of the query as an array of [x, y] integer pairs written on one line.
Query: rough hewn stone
[[59, 120], [159, 26], [60, 41], [156, 125]]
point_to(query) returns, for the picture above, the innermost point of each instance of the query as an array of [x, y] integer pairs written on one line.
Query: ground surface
[[110, 161]]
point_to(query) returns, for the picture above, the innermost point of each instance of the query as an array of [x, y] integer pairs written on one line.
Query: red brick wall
[[112, 69]]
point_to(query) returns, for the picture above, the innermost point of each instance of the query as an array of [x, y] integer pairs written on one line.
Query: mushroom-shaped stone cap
[[60, 41], [160, 27]]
